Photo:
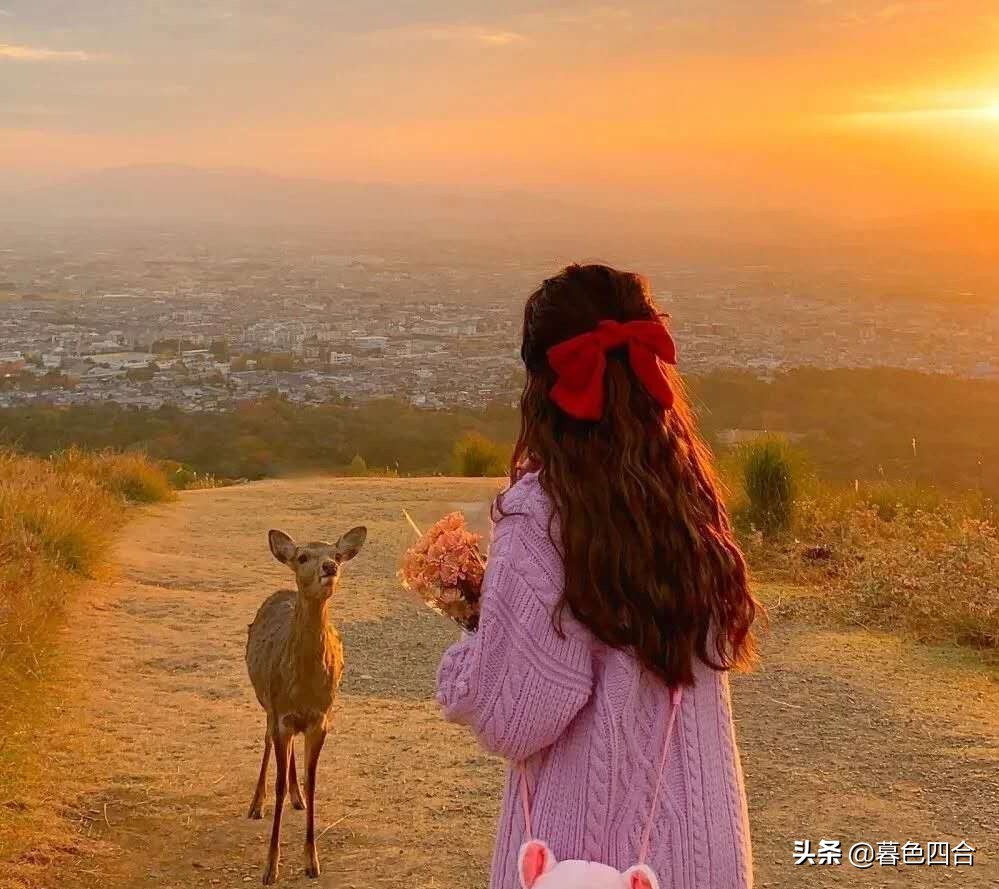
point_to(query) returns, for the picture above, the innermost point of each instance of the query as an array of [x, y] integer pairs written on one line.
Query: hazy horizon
[[842, 110]]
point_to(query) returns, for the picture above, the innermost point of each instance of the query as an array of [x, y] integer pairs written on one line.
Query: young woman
[[614, 591]]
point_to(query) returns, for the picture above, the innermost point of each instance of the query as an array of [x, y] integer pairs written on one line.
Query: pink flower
[[445, 567]]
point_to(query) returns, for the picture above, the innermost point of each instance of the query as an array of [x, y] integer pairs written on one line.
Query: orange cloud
[[41, 54]]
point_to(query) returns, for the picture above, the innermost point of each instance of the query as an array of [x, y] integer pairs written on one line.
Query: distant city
[[207, 328]]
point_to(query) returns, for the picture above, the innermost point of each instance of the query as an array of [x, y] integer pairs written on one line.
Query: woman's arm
[[516, 682]]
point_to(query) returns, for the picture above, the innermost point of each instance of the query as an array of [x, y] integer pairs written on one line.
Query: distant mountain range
[[171, 194], [225, 195]]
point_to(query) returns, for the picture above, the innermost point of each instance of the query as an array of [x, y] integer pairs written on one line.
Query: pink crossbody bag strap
[[676, 696]]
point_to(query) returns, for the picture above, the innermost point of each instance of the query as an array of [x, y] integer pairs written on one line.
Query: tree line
[[865, 424]]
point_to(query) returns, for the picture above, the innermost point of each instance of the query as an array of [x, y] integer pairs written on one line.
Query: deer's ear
[[282, 546], [534, 861], [350, 544], [640, 877]]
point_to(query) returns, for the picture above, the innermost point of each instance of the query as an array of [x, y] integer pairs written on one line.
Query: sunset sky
[[847, 106]]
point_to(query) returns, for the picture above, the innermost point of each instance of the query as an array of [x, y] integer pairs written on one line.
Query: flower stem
[[412, 524]]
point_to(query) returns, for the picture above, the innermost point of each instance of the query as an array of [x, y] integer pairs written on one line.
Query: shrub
[[768, 481], [358, 466], [477, 456]]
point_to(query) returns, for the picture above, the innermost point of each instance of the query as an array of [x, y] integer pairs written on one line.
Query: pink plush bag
[[538, 868]]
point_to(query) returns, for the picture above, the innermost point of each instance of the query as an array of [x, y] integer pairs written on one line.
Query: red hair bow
[[580, 362]]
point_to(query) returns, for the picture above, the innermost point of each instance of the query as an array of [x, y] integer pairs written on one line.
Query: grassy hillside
[[900, 558], [58, 517]]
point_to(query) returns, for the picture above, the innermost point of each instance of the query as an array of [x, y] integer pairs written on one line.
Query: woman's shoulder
[[525, 504], [524, 534]]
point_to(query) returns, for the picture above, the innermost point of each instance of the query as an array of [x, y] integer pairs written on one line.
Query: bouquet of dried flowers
[[445, 568]]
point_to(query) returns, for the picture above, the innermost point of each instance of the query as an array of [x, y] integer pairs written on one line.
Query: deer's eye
[[302, 559]]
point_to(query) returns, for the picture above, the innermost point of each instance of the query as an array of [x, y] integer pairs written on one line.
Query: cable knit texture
[[589, 723]]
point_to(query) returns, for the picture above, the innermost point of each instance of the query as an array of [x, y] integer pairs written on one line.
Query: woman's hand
[[461, 603], [460, 610]]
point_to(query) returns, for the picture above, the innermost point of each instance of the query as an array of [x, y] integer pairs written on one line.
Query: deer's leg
[[257, 803], [296, 791], [314, 739], [282, 741]]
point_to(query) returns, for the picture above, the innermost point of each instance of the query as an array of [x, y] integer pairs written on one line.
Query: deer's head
[[317, 564]]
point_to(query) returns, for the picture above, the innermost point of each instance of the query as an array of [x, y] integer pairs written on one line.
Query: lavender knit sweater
[[589, 724]]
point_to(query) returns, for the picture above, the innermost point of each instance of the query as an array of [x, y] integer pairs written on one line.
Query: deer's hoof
[[270, 875], [255, 813], [311, 861], [296, 803]]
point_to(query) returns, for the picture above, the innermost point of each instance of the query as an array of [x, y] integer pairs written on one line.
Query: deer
[[295, 661]]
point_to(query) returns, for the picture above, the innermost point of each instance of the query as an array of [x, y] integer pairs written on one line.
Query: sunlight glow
[[904, 116]]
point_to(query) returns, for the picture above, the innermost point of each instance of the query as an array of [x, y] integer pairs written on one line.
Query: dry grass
[[33, 788], [184, 478], [57, 517], [903, 558], [54, 528], [56, 521], [133, 477]]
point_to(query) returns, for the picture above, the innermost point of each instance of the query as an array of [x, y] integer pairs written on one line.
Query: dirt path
[[843, 735]]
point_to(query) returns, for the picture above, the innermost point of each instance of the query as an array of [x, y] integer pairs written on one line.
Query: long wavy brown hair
[[650, 560]]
